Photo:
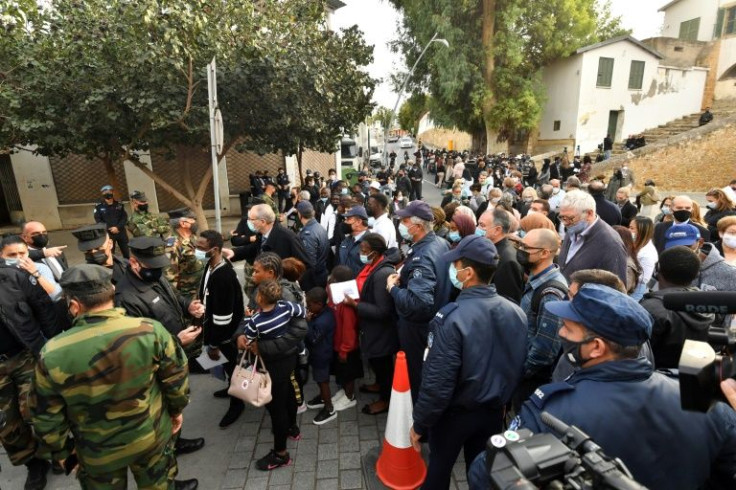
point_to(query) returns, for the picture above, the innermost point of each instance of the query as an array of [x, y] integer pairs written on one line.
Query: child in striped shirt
[[274, 314]]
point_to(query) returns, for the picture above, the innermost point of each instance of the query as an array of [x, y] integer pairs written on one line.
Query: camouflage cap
[[90, 237], [86, 279], [181, 213], [139, 196], [149, 251]]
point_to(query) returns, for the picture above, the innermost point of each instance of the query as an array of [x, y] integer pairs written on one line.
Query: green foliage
[[385, 116], [526, 36], [411, 112]]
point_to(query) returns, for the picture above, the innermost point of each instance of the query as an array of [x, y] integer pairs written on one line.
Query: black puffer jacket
[[377, 315], [671, 328]]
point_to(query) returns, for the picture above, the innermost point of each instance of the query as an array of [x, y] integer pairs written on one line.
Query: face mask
[[666, 210], [522, 257], [12, 262], [404, 231], [107, 196], [346, 228], [531, 211], [151, 275], [571, 351], [576, 228], [251, 226], [194, 228], [365, 258], [454, 236], [556, 190], [323, 199], [143, 208], [201, 254], [711, 205], [528, 199], [633, 236], [40, 241], [729, 240], [344, 191], [98, 258], [682, 215], [453, 277], [371, 222], [480, 232]]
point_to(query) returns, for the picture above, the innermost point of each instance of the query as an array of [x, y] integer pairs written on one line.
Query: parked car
[[393, 139], [406, 142]]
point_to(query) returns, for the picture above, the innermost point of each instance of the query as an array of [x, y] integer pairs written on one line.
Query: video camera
[[703, 365], [571, 460]]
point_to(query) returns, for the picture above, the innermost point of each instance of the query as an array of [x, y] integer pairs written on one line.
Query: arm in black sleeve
[[123, 220], [298, 252], [246, 252], [36, 254], [381, 306], [42, 306]]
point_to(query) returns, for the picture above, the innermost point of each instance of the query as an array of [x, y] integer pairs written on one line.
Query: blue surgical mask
[[480, 232], [323, 199], [577, 228], [251, 226], [12, 262], [200, 254], [404, 231], [453, 276], [454, 236], [365, 258], [344, 191]]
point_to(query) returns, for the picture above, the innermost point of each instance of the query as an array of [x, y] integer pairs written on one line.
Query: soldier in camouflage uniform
[[125, 418], [143, 223], [186, 269]]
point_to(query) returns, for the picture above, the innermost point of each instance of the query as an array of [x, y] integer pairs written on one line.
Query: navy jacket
[[321, 330], [424, 277], [477, 348], [634, 413], [317, 246], [112, 215], [376, 313], [660, 229], [606, 210], [509, 276], [602, 249], [348, 253]]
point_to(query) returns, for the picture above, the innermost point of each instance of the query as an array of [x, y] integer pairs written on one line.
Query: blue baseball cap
[[358, 211], [477, 248], [685, 234], [416, 209], [607, 312]]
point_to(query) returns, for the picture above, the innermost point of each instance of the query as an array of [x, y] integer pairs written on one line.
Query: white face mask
[[729, 240]]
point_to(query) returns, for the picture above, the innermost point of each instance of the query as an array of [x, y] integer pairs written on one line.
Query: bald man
[[36, 236], [546, 283], [682, 210]]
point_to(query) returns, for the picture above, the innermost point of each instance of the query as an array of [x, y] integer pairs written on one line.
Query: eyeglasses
[[526, 248], [567, 219]]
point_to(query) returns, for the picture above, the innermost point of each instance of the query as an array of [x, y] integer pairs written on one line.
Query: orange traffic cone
[[399, 466]]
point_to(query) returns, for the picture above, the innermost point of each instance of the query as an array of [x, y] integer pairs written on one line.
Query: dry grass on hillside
[[440, 138]]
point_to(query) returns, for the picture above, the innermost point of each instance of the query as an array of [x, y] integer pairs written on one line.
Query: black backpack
[[557, 288]]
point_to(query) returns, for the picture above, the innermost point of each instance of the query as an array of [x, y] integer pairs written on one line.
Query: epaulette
[[444, 311], [542, 394]]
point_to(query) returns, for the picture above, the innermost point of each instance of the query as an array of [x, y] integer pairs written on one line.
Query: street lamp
[[406, 80]]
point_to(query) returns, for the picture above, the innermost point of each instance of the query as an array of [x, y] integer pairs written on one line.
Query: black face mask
[[194, 228], [98, 258], [40, 241], [151, 275], [143, 208], [107, 196], [346, 228], [522, 257], [571, 351], [682, 215]]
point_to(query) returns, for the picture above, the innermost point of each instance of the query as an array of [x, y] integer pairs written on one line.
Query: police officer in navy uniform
[[112, 214], [98, 246], [475, 358], [422, 286], [629, 410]]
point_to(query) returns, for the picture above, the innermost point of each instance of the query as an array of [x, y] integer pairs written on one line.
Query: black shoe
[[56, 468], [271, 461], [325, 416], [315, 402], [37, 469], [232, 414], [186, 446], [221, 393], [294, 433], [186, 484]]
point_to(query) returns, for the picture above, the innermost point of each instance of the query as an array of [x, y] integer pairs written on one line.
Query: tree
[[489, 82], [112, 78], [385, 116], [411, 112]]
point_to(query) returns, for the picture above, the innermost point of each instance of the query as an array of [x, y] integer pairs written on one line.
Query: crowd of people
[[525, 291]]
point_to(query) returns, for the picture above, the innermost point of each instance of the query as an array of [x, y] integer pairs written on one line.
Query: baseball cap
[[474, 247], [150, 251], [358, 211], [304, 207], [607, 312], [375, 185], [181, 213], [86, 278], [416, 209], [107, 187], [685, 234], [90, 237], [139, 196]]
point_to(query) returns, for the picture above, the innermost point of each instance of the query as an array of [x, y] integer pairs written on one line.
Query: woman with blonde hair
[[535, 221]]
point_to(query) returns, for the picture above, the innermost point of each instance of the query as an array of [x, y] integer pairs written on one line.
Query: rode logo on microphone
[[720, 310]]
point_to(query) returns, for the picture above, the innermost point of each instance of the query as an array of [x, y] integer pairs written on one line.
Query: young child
[[348, 363], [321, 322], [273, 315]]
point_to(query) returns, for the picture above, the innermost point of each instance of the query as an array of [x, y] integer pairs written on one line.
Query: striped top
[[272, 324]]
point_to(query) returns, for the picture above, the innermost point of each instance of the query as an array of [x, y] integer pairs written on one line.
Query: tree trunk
[[299, 152], [112, 177], [488, 32], [478, 142]]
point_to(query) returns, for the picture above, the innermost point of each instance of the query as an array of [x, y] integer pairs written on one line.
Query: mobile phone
[[170, 241]]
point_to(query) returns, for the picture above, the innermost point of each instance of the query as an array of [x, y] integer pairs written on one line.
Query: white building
[[707, 21], [617, 87]]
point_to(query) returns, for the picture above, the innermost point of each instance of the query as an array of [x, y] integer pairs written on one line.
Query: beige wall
[[36, 188]]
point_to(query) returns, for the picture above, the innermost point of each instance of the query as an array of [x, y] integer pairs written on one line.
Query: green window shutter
[[636, 75], [605, 72], [730, 20], [719, 23], [689, 30]]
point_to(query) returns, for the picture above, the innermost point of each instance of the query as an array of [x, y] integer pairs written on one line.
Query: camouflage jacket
[[113, 382], [148, 224], [270, 201], [186, 270]]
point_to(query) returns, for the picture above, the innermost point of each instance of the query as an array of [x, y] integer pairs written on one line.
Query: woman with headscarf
[[461, 225]]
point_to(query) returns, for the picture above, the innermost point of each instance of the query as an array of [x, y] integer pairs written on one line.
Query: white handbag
[[249, 383]]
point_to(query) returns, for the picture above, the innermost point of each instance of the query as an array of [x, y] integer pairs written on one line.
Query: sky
[[378, 19]]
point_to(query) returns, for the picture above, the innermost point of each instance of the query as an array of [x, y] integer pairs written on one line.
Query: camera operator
[[632, 412]]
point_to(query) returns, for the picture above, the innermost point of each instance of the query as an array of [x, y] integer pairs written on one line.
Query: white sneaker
[[344, 403], [337, 396], [301, 408]]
